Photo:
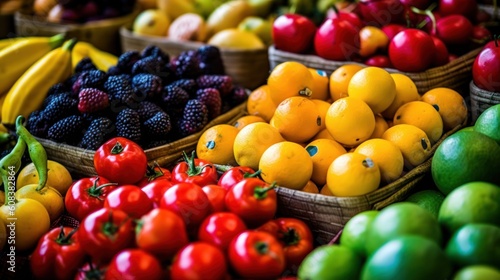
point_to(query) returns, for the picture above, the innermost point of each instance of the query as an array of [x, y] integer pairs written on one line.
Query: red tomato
[[199, 260], [155, 190], [220, 228], [130, 199], [216, 195], [87, 195], [121, 160], [235, 174], [188, 201], [253, 200], [134, 264], [58, 255], [162, 233], [194, 170], [256, 255], [154, 173], [106, 232], [90, 271], [295, 237]]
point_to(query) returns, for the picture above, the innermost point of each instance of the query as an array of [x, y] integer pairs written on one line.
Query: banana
[[18, 57], [9, 41], [101, 59], [29, 91], [2, 101]]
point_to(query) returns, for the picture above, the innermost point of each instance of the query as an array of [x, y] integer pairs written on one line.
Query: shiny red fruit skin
[[411, 50], [337, 39], [293, 33], [467, 8], [454, 30], [486, 68]]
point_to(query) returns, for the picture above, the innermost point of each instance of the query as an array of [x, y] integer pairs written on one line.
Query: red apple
[[379, 60], [454, 29], [420, 4], [351, 17], [466, 8], [480, 35], [411, 50], [337, 39], [392, 29], [293, 33], [486, 68], [382, 12], [441, 56]]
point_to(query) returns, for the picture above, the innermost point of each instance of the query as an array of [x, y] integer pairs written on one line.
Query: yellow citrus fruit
[[323, 107], [310, 187], [323, 152], [216, 144], [58, 177], [289, 79], [320, 89], [375, 86], [260, 103], [297, 119], [350, 121], [406, 91], [322, 134], [251, 142], [422, 115], [287, 164], [381, 126], [353, 174], [49, 197], [245, 120], [411, 141], [386, 155], [325, 191], [450, 105], [339, 80]]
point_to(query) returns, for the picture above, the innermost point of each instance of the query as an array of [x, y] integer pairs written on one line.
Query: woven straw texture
[[248, 68], [81, 161], [455, 74], [481, 100], [327, 215]]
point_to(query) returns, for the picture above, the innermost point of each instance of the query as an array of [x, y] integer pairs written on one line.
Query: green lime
[[407, 257], [467, 128], [475, 244], [331, 262], [428, 199], [477, 272], [398, 219], [475, 202], [463, 157], [355, 230], [488, 123]]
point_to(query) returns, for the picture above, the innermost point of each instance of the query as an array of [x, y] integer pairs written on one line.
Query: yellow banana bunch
[[16, 58], [101, 59], [9, 41], [29, 91]]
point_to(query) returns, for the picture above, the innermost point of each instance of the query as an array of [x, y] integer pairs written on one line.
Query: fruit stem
[[117, 148], [63, 239], [427, 12], [261, 192], [252, 175], [262, 247]]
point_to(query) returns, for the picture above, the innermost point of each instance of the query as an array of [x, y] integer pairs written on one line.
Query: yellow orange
[[386, 155], [339, 80], [245, 120], [216, 144], [322, 134], [450, 105], [323, 107], [381, 126], [320, 88], [310, 187], [422, 115], [406, 91], [323, 152], [260, 103], [289, 79], [411, 141], [325, 191]]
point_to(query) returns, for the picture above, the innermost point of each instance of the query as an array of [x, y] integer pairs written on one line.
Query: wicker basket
[[248, 68], [327, 215], [81, 161], [481, 100]]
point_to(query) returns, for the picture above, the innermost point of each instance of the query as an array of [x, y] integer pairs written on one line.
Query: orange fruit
[[323, 107], [412, 141], [289, 79], [323, 152], [381, 126], [58, 176], [322, 134], [450, 105], [386, 155], [375, 86], [245, 120], [287, 164], [339, 80], [353, 174], [297, 119], [372, 39], [406, 91], [320, 88], [422, 115], [216, 144], [310, 187], [325, 191], [260, 103], [350, 121], [251, 142]]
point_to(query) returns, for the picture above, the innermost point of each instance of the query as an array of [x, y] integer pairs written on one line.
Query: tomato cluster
[[187, 223]]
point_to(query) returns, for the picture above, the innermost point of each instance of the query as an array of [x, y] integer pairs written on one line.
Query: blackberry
[[187, 65], [57, 88], [194, 117], [60, 106], [155, 51], [147, 85], [210, 60], [189, 85], [99, 131], [89, 79], [157, 126], [69, 82], [120, 92], [37, 125], [173, 100], [92, 100], [211, 98], [149, 64], [147, 109], [67, 130], [127, 60], [128, 125], [223, 83], [84, 65], [114, 70]]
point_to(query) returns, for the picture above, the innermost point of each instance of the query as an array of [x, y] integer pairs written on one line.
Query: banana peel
[[101, 59]]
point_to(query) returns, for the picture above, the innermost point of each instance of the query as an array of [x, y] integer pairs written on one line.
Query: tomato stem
[[291, 237], [252, 175], [96, 191], [193, 170], [117, 148], [262, 247], [153, 172], [261, 192], [64, 239]]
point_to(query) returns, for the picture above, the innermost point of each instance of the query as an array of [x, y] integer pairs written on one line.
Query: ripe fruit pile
[[147, 97]]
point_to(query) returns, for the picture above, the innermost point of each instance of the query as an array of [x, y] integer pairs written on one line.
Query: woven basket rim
[[475, 90]]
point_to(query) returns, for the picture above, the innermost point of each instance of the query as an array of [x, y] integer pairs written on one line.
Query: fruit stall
[[250, 139]]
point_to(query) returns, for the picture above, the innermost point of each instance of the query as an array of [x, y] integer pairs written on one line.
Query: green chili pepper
[[11, 163], [37, 152]]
